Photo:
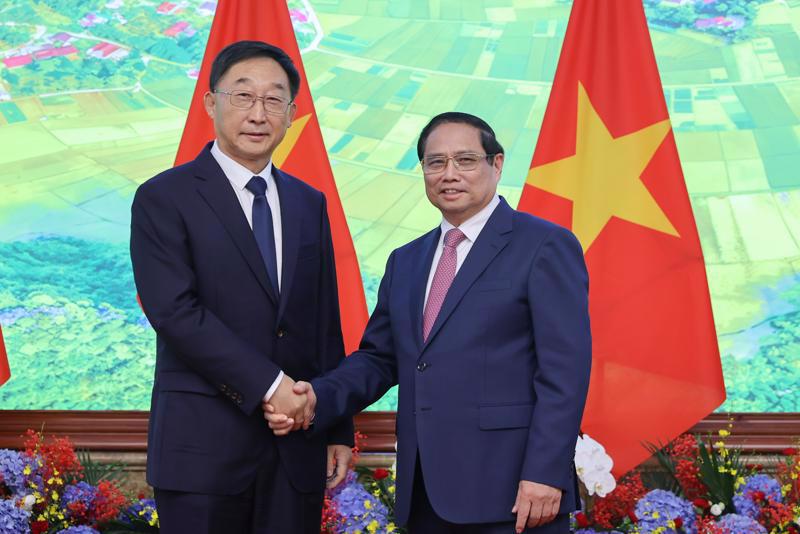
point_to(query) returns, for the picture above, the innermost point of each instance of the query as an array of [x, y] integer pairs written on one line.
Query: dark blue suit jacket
[[222, 333], [496, 394]]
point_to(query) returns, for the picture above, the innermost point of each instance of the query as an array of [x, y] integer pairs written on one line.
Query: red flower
[[632, 516], [789, 451], [701, 503], [758, 496], [678, 522], [108, 503], [380, 473], [608, 511], [38, 527], [581, 519]]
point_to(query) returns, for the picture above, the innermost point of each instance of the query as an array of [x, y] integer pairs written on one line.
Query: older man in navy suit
[[233, 262], [483, 322]]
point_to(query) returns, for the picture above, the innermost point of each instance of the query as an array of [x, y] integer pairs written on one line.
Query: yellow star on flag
[[292, 135], [602, 178]]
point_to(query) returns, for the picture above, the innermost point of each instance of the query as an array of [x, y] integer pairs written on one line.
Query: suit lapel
[[214, 187], [492, 239], [291, 223], [419, 281]]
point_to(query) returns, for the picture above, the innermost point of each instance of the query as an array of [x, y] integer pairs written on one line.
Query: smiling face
[[249, 136], [460, 194]]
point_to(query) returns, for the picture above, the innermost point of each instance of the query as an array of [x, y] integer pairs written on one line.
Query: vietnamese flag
[[302, 152], [5, 370], [606, 166]]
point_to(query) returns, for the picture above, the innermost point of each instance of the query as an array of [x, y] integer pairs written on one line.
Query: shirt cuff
[[273, 387]]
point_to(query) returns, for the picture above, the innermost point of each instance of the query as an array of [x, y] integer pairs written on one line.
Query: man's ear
[[497, 163], [210, 103]]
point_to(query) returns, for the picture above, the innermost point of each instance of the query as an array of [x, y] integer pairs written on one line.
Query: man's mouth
[[451, 192]]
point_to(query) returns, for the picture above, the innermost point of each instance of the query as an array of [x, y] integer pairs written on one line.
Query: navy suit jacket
[[496, 393], [223, 335]]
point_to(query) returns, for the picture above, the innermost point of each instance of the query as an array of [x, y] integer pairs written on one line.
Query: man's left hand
[[339, 457], [536, 504]]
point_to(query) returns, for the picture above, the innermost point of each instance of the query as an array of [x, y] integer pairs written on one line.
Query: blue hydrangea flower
[[12, 465], [659, 508], [593, 531], [142, 510], [13, 520], [80, 529], [740, 524], [358, 507], [743, 501], [81, 492]]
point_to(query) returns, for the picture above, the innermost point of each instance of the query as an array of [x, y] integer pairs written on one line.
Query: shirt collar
[[472, 227], [237, 173]]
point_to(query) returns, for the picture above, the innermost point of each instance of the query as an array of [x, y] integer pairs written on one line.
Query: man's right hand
[[288, 403], [282, 422]]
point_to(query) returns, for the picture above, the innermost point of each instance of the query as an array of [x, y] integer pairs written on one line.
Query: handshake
[[290, 407]]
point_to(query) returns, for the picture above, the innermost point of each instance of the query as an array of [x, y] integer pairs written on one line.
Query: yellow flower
[[55, 495], [373, 526], [391, 527], [724, 433], [722, 469], [27, 470], [367, 505], [656, 515]]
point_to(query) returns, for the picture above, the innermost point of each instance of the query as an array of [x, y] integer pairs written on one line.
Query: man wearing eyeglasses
[[233, 262], [483, 322]]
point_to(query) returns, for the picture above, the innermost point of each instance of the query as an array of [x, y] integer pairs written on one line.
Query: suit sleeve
[[330, 337], [167, 286], [367, 374], [558, 289]]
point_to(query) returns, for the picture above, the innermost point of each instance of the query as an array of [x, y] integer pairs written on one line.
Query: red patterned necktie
[[442, 278]]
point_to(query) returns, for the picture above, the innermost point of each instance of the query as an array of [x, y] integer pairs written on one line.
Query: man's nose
[[257, 113], [450, 171]]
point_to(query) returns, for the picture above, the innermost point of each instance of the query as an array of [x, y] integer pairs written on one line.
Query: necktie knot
[[453, 237], [257, 185]]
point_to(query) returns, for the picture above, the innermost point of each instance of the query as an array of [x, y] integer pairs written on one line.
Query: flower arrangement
[[46, 489], [363, 503], [701, 489]]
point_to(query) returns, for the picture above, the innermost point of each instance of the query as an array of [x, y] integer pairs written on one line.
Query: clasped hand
[[291, 407]]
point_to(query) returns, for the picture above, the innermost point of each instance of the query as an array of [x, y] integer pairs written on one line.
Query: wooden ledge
[[126, 431]]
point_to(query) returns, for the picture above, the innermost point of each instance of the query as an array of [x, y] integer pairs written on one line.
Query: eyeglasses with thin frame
[[467, 161], [246, 99]]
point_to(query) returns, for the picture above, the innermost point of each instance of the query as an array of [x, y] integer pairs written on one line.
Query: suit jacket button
[[421, 366], [281, 332]]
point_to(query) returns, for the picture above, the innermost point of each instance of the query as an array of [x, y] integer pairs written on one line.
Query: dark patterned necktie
[[262, 228]]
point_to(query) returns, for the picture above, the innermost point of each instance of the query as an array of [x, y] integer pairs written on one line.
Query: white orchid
[[593, 466], [718, 508]]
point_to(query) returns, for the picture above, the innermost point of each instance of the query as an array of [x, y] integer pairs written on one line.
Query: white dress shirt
[[471, 228], [238, 176]]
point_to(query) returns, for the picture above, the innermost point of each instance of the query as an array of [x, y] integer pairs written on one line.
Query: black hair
[[244, 50], [489, 141]]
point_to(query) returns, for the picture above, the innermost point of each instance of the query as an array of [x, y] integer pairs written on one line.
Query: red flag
[[607, 167], [5, 370], [302, 152]]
